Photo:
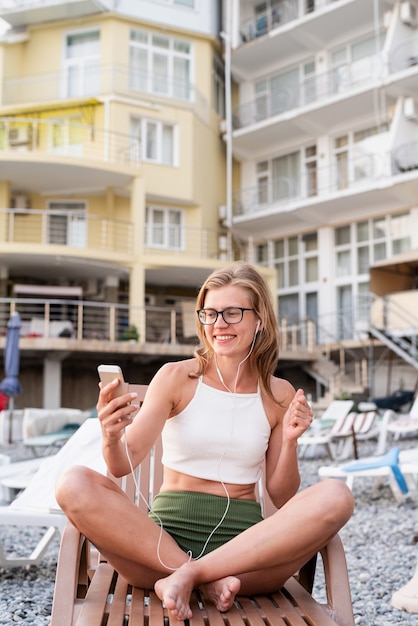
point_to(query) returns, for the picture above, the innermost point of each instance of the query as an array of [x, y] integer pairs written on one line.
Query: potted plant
[[131, 333]]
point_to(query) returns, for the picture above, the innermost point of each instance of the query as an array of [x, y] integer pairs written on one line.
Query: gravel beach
[[379, 544]]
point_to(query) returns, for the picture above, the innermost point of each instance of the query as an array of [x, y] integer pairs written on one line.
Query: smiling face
[[224, 338]]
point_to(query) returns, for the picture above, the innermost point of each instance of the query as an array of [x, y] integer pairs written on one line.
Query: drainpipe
[[226, 36]]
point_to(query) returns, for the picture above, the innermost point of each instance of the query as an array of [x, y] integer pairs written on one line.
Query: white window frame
[[150, 82], [88, 76], [165, 229], [142, 127], [71, 218]]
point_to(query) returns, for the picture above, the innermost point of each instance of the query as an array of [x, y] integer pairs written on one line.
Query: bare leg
[[126, 536], [280, 545]]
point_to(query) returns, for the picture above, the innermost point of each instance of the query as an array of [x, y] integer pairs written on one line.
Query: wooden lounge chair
[[89, 592]]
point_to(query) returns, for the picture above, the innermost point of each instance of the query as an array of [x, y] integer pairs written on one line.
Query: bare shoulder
[[173, 381], [177, 370], [283, 391]]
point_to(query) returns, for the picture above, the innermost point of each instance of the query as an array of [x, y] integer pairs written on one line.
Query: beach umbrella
[[10, 385]]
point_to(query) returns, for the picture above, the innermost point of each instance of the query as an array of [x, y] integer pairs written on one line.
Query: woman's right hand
[[115, 413]]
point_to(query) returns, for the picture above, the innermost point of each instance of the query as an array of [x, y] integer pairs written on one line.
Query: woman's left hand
[[298, 417]]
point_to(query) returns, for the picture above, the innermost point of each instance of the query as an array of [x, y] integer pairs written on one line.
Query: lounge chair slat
[[314, 612], [93, 609]]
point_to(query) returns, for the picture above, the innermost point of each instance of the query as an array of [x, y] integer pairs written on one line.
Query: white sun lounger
[[36, 506]]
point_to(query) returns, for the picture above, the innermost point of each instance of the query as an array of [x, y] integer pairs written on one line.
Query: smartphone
[[107, 373]]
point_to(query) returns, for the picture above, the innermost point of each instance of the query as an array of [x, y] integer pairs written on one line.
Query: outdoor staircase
[[399, 330], [334, 378]]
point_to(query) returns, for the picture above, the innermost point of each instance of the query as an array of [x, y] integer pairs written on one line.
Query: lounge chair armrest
[[72, 575], [337, 582]]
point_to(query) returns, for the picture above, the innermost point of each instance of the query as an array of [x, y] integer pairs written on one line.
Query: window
[[155, 141], [67, 135], [218, 87], [358, 155], [67, 224], [285, 177], [160, 65], [82, 64], [361, 244], [399, 232], [356, 63], [164, 228], [311, 171]]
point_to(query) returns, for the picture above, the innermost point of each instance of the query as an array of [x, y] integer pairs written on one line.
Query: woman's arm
[[282, 468], [142, 432]]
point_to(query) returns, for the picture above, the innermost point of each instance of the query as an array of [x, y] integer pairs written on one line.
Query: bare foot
[[175, 592], [222, 592]]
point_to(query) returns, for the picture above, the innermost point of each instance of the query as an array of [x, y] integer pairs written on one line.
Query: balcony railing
[[281, 13], [337, 81], [100, 81], [83, 320], [64, 139], [67, 228], [351, 172], [95, 233]]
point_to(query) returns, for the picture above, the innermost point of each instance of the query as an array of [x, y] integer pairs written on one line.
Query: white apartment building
[[322, 137]]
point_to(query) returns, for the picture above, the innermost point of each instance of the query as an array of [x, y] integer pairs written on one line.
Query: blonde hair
[[265, 354]]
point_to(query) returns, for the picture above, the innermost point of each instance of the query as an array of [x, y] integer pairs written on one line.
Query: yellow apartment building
[[112, 185]]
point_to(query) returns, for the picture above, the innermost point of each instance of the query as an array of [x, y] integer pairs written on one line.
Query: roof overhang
[[397, 273]]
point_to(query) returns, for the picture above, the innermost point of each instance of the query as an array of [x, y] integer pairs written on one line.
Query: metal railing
[[281, 13], [100, 81], [65, 139], [72, 229], [87, 320], [337, 81], [67, 228], [60, 318], [355, 170]]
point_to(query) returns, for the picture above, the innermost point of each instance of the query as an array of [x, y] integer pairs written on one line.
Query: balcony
[[61, 243], [320, 195], [22, 12], [56, 156], [83, 326], [291, 29], [73, 230], [315, 90], [403, 68], [96, 82]]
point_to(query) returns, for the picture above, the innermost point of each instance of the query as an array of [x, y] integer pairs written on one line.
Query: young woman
[[221, 415]]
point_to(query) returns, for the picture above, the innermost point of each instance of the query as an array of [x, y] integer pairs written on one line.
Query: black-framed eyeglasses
[[231, 315]]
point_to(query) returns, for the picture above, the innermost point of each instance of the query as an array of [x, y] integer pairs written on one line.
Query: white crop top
[[218, 436]]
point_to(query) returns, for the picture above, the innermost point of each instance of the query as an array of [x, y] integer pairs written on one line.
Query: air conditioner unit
[[408, 13], [20, 203], [222, 127], [223, 243], [19, 136], [410, 109], [222, 212]]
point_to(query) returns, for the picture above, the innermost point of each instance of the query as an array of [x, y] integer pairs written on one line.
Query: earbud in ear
[[257, 328]]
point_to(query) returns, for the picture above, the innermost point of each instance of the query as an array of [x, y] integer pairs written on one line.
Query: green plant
[[131, 333]]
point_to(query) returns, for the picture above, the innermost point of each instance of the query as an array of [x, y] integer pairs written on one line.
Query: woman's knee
[[75, 487], [339, 497]]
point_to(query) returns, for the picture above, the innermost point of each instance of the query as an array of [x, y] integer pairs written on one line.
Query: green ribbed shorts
[[190, 517]]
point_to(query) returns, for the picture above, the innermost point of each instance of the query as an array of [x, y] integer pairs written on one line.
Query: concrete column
[[52, 383], [137, 274]]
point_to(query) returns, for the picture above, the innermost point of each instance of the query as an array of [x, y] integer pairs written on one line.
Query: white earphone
[[258, 326]]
